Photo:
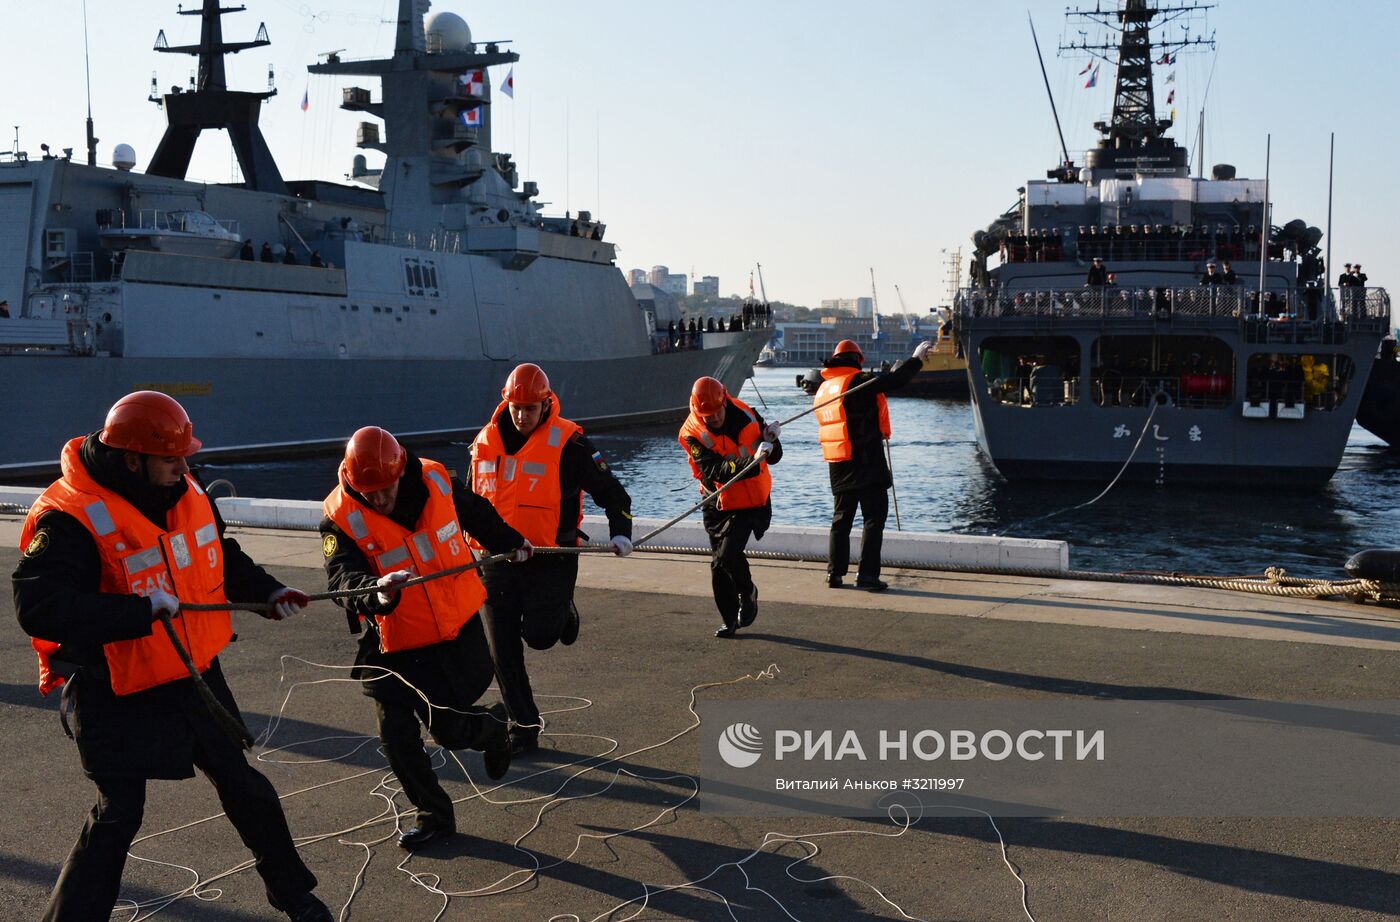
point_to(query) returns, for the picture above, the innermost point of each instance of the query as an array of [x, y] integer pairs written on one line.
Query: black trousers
[[730, 578], [874, 506], [90, 881], [454, 722], [527, 604]]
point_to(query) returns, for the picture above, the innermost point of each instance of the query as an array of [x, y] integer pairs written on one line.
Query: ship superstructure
[[402, 300], [1135, 311]]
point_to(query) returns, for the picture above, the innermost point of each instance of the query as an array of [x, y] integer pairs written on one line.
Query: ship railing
[[1111, 388], [1363, 307], [1036, 389], [438, 240]]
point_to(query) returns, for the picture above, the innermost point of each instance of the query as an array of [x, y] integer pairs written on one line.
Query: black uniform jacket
[[716, 470], [429, 668], [149, 734], [867, 469]]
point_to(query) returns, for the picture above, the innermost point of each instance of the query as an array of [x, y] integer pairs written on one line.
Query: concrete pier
[[624, 688]]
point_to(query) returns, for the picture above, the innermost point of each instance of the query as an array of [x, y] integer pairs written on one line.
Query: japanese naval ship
[[286, 314], [1127, 317]]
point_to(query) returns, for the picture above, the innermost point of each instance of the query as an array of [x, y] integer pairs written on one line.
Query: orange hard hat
[[847, 346], [152, 423], [707, 396], [527, 384], [374, 460]]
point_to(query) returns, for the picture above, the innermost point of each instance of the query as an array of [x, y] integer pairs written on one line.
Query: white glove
[[764, 449], [387, 582], [522, 553], [286, 602], [772, 432], [922, 349], [162, 601], [621, 546]]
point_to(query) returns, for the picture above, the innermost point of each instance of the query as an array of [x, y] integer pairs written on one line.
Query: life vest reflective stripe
[[525, 487], [186, 559], [428, 613], [833, 429], [749, 493]]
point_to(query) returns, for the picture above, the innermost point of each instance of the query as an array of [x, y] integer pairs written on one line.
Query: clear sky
[[820, 139]]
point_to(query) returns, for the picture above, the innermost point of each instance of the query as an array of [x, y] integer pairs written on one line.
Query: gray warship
[[401, 299], [1252, 378]]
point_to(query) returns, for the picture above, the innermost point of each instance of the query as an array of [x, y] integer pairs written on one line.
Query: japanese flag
[[508, 87]]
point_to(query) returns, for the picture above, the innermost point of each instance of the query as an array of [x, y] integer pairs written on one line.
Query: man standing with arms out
[[534, 466], [851, 428], [720, 437], [394, 516], [126, 534]]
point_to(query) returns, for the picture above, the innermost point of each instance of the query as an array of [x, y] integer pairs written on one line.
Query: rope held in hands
[[239, 733]]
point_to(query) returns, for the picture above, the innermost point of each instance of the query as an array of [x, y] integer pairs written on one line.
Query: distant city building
[[807, 343], [637, 277], [708, 286], [658, 275], [861, 307], [674, 284]]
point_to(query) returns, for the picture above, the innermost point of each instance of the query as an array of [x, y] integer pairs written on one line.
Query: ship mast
[[210, 104], [1134, 128]]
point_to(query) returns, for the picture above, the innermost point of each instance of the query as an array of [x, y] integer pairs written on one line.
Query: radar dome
[[124, 157], [447, 32]]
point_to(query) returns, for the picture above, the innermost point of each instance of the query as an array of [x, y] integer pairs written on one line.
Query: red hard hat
[[152, 423], [707, 396], [846, 346], [527, 384], [374, 460]]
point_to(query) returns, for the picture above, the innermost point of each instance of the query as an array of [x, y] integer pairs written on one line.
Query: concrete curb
[[929, 549]]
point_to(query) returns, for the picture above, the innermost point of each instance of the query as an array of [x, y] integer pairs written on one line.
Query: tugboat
[[1144, 322], [434, 274]]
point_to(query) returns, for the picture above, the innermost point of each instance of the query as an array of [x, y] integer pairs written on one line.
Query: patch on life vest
[[694, 450], [37, 545], [329, 545], [598, 460]]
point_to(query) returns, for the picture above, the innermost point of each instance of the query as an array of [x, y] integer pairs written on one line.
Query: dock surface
[[624, 689]]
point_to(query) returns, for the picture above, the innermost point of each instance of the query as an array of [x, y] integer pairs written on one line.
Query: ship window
[[432, 276], [417, 276], [408, 273], [433, 311], [1191, 372], [354, 307], [1031, 371]]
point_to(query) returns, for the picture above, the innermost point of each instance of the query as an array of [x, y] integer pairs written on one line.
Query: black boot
[[748, 608], [497, 754], [570, 631]]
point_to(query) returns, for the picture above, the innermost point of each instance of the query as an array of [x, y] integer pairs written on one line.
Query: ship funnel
[[124, 157], [1222, 171]]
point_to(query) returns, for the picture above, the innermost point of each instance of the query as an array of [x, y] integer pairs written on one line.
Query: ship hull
[[255, 408]]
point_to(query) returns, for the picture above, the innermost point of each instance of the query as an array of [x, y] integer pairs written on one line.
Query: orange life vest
[[749, 493], [525, 487], [186, 559], [833, 430], [431, 612]]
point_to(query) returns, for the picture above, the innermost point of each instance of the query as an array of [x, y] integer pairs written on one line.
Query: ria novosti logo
[[740, 745]]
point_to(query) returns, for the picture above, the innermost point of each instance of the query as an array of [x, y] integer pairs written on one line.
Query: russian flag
[[306, 99], [1093, 80]]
